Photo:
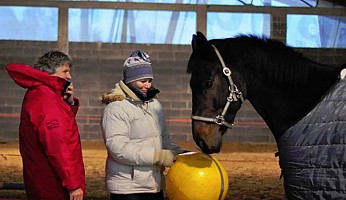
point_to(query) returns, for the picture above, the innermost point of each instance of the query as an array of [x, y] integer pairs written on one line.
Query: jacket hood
[[28, 77], [122, 91], [119, 93]]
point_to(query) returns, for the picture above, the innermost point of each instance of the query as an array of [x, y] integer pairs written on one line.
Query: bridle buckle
[[219, 120]]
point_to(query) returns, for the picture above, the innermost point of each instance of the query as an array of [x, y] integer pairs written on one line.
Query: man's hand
[[76, 194], [69, 95]]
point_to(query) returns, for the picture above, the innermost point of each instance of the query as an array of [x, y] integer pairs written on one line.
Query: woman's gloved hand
[[163, 157]]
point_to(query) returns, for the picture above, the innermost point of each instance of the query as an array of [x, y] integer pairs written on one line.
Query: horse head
[[216, 96], [268, 73]]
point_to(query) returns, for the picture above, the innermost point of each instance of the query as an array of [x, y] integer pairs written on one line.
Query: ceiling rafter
[[317, 3]]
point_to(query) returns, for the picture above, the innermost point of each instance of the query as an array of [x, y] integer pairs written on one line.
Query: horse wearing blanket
[[302, 102]]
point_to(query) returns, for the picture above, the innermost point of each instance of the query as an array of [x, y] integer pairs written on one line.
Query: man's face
[[63, 72]]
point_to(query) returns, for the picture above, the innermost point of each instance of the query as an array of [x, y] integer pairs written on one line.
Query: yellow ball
[[196, 176]]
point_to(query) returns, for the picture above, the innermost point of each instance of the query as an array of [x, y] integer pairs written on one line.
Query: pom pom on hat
[[137, 67]]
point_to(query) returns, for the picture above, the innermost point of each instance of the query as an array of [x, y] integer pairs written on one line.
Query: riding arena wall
[[98, 66]]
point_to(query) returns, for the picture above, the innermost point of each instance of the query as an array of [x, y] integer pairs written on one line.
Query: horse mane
[[280, 63]]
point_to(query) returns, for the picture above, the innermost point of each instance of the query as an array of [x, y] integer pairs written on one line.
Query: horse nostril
[[201, 144], [204, 147]]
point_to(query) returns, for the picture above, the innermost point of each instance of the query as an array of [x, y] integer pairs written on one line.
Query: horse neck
[[281, 105]]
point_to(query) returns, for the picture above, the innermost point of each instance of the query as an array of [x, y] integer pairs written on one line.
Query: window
[[224, 25], [316, 31], [170, 27], [28, 23], [131, 26]]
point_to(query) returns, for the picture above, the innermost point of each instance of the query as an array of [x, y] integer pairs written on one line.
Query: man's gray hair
[[52, 60]]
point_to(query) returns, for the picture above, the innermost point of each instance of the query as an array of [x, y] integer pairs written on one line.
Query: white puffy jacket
[[132, 131]]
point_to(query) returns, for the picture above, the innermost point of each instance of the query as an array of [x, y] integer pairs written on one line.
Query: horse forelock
[[191, 64], [201, 57]]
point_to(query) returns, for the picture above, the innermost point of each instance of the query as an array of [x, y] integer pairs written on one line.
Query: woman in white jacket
[[135, 134]]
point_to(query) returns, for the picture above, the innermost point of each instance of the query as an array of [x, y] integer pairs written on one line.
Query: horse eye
[[209, 83]]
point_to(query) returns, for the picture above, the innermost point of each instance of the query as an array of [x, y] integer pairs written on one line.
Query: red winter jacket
[[48, 136]]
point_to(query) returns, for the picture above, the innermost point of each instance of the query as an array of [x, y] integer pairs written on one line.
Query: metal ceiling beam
[[306, 3], [175, 7]]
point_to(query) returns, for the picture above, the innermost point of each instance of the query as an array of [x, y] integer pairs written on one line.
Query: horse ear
[[201, 45], [193, 42], [200, 42]]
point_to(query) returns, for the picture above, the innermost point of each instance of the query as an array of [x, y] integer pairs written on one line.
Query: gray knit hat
[[137, 67]]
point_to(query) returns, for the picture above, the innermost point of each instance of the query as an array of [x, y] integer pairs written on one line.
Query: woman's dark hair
[[52, 60]]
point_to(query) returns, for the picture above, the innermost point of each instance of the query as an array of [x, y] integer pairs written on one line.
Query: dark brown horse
[[288, 91]]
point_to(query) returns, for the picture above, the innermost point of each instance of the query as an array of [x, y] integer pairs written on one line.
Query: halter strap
[[234, 95]]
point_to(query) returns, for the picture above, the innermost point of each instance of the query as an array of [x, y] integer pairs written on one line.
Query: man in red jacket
[[49, 139]]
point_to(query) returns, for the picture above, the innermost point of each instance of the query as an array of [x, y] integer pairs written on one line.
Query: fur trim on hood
[[118, 93]]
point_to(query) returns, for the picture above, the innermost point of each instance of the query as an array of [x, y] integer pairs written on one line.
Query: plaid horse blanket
[[313, 151]]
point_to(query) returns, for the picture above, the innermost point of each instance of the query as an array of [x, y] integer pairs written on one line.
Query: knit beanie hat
[[137, 67]]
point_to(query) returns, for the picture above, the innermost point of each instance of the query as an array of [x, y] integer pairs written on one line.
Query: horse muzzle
[[207, 136]]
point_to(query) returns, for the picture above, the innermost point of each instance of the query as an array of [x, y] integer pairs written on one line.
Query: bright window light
[[224, 25], [28, 23], [132, 26], [315, 31]]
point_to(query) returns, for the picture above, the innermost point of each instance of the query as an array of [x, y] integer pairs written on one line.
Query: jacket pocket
[[119, 171], [148, 177]]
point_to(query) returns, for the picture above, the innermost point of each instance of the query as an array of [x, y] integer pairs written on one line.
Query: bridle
[[234, 95]]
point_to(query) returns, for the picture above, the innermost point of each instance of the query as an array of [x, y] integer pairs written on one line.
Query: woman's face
[[143, 85]]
